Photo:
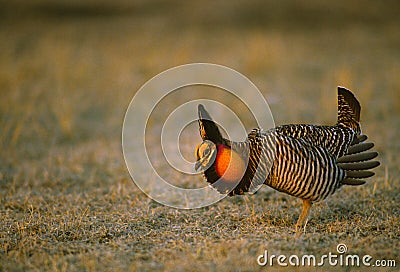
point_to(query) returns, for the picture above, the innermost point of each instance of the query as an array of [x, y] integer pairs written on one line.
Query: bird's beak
[[197, 165]]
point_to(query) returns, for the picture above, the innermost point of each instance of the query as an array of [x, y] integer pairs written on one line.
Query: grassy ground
[[68, 72]]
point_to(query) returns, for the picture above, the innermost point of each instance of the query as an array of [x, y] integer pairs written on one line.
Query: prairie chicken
[[306, 161]]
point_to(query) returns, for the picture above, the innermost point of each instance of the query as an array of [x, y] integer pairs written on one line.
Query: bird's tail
[[358, 162], [348, 110]]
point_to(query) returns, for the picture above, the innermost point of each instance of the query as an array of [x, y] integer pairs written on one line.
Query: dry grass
[[67, 73]]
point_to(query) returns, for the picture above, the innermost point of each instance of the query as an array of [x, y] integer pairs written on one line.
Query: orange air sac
[[229, 165]]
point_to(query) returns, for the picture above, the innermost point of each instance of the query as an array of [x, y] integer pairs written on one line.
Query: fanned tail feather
[[360, 174], [358, 157], [357, 148], [357, 161], [353, 182], [359, 139], [348, 110], [355, 166]]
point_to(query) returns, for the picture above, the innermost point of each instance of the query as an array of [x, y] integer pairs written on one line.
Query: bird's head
[[216, 157], [226, 163], [205, 153]]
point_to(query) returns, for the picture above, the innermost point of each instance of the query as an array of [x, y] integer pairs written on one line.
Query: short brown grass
[[67, 73]]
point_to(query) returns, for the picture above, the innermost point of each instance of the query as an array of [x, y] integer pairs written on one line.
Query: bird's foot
[[300, 230]]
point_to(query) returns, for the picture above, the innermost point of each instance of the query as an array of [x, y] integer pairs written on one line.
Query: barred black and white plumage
[[306, 161]]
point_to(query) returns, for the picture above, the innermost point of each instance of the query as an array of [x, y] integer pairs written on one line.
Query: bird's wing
[[302, 169], [336, 139]]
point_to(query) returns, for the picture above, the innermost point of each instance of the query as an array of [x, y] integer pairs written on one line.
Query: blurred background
[[68, 70]]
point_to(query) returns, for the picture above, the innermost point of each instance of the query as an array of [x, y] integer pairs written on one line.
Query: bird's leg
[[303, 217]]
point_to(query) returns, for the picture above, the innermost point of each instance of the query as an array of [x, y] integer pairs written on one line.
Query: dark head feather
[[208, 129]]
